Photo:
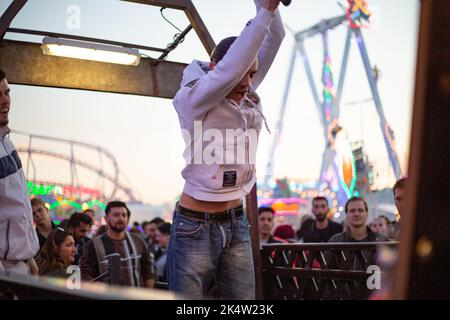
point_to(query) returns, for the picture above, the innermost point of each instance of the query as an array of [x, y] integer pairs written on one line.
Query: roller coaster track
[[74, 161]]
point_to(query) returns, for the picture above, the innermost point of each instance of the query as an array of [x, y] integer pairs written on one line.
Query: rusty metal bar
[[191, 12], [9, 15], [175, 43], [17, 58], [326, 246], [75, 37]]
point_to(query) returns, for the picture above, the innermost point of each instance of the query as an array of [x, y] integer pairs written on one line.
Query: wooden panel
[[423, 268]]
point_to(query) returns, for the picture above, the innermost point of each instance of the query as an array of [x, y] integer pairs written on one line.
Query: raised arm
[[272, 42], [195, 100]]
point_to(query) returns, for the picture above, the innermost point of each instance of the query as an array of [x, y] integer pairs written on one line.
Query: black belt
[[213, 216]]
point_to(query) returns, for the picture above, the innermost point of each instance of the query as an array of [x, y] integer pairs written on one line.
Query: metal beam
[[24, 63], [321, 27], [191, 12], [81, 38], [8, 16]]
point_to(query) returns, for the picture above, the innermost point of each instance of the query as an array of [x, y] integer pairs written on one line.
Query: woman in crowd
[[57, 254]]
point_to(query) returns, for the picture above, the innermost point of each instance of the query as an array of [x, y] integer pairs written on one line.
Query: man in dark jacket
[[323, 228], [357, 229], [118, 257]]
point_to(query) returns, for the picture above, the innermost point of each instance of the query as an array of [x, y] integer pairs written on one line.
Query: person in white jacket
[[220, 116], [18, 238]]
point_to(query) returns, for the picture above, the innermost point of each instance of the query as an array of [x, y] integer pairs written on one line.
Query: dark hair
[[385, 218], [144, 224], [38, 202], [2, 75], [165, 228], [117, 204], [158, 221], [49, 259], [320, 198], [77, 218], [400, 184], [262, 209], [221, 49], [354, 199]]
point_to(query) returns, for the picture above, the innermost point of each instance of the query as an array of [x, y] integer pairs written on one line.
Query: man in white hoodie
[[18, 239], [220, 116]]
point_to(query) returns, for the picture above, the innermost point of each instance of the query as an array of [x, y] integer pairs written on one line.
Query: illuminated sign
[[61, 190]]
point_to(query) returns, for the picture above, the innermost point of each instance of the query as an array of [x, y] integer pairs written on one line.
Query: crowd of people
[[319, 226]]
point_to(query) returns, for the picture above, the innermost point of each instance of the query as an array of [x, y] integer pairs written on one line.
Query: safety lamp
[[90, 51]]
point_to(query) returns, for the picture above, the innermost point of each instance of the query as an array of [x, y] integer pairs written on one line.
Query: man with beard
[[323, 228], [118, 257]]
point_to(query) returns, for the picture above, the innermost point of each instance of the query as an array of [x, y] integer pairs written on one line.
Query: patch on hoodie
[[191, 83], [229, 178]]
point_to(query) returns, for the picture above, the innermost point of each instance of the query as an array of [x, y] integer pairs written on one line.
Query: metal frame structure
[[152, 77], [313, 271], [328, 106], [75, 161]]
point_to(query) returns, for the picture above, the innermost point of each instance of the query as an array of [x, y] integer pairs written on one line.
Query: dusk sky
[[143, 133]]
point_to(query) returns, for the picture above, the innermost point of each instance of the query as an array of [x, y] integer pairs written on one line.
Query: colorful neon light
[[65, 202], [358, 13], [94, 203], [345, 162], [76, 205], [328, 93], [283, 200], [61, 190]]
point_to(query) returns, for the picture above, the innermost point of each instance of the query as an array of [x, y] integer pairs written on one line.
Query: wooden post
[[251, 205], [422, 268]]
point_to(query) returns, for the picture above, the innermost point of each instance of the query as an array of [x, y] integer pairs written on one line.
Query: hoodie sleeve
[[193, 102], [270, 47]]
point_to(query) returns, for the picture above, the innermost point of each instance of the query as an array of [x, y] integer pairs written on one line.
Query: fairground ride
[[339, 169]]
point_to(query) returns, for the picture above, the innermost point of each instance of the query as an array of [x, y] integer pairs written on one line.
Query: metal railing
[[22, 287], [319, 270]]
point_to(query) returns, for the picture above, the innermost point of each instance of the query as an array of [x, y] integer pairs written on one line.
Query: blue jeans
[[211, 260]]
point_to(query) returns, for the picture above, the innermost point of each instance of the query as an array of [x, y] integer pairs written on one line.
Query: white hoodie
[[18, 238], [205, 113]]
